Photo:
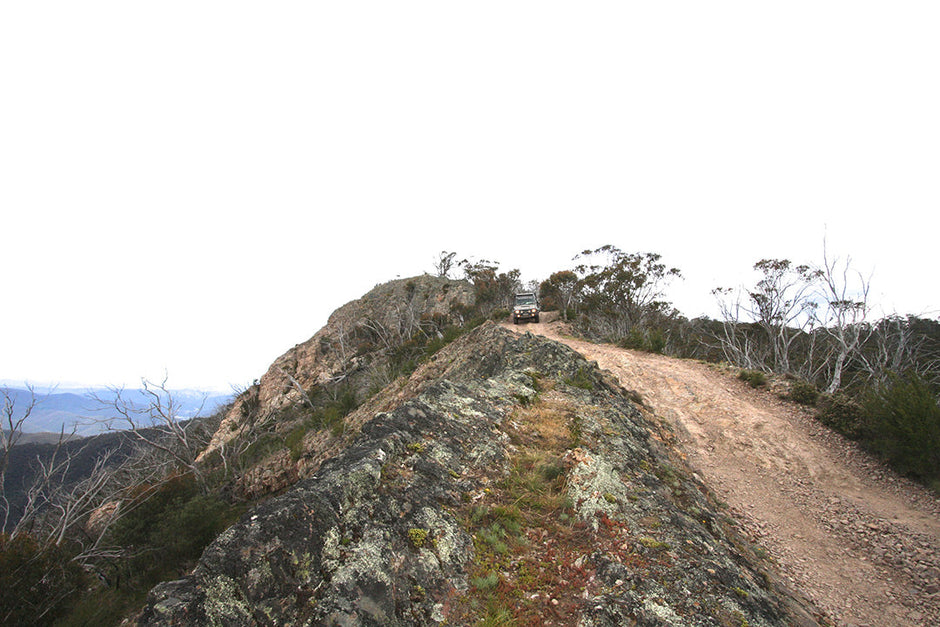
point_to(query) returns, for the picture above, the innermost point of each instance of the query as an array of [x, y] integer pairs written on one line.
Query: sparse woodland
[[85, 547], [876, 380]]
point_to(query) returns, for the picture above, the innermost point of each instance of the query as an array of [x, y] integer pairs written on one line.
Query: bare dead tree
[[233, 450], [342, 347], [401, 324], [59, 506], [157, 424], [445, 263], [408, 315], [846, 313], [891, 347], [738, 345], [50, 506], [14, 418], [296, 385], [251, 424], [780, 304], [380, 332]]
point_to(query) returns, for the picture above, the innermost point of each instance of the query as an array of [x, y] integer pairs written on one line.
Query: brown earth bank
[[862, 543]]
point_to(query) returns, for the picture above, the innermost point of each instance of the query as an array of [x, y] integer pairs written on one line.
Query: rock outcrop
[[509, 479], [356, 336]]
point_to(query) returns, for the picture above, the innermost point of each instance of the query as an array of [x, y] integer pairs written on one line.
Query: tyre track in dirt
[[860, 542]]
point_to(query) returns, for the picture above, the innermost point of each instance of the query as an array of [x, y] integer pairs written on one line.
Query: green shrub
[[35, 581], [100, 605], [330, 409], [802, 392], [648, 340], [633, 340], [551, 470], [509, 518], [581, 379], [405, 359], [655, 341], [902, 424], [842, 414], [754, 378], [148, 507], [187, 527], [167, 529], [448, 335], [500, 314], [295, 441], [345, 401], [261, 447]]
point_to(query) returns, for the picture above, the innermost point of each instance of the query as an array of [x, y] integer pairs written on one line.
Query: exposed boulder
[[509, 475]]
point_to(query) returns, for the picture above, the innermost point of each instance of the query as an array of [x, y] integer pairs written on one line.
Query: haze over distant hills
[[62, 408]]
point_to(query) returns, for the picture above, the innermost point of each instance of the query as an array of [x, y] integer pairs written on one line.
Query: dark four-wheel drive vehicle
[[526, 307]]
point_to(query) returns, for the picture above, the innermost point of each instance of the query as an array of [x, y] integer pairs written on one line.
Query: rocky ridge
[[351, 346], [855, 538], [507, 478]]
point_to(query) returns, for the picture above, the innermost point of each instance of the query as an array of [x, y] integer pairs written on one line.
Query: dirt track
[[861, 543]]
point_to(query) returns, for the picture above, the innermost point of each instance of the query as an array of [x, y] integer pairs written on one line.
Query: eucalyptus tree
[[781, 305], [624, 289], [844, 320]]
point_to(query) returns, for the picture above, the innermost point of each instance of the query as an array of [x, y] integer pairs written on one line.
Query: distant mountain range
[[55, 410]]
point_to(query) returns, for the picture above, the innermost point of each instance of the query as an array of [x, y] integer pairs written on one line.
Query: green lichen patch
[[224, 604], [595, 487], [418, 537]]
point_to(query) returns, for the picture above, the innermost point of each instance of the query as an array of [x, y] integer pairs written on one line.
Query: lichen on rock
[[381, 534]]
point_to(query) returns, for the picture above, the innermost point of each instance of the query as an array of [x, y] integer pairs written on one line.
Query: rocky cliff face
[[508, 480], [352, 345]]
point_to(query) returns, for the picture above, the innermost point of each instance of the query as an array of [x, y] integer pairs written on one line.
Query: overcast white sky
[[195, 186]]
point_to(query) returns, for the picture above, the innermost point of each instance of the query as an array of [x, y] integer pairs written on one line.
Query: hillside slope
[[862, 543], [352, 347], [507, 479]]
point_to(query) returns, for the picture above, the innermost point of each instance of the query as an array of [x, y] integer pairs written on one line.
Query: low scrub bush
[[261, 447], [633, 340], [329, 412], [500, 314], [649, 340], [405, 359], [581, 379], [754, 378], [902, 424], [485, 582], [37, 583], [167, 530], [842, 414], [294, 441], [655, 341], [802, 392], [898, 420]]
